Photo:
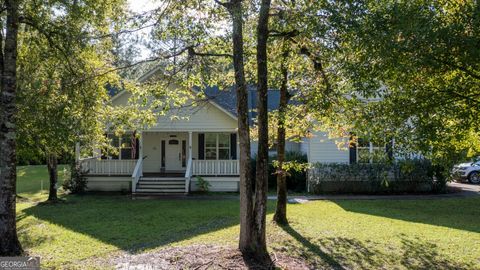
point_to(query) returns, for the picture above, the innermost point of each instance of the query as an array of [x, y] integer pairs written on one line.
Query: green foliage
[[417, 62], [401, 170], [77, 183], [295, 164], [63, 70], [389, 177], [203, 185]]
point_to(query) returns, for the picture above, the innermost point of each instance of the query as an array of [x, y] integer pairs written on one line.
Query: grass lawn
[[32, 179], [410, 234]]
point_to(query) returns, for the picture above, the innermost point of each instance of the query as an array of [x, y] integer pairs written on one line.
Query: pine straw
[[199, 257]]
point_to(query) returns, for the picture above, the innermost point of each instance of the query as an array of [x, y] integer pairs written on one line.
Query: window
[[217, 146], [371, 152], [223, 146], [210, 146], [126, 147], [123, 147], [114, 143]]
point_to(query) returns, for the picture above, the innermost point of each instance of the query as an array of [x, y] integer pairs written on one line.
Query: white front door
[[174, 156]]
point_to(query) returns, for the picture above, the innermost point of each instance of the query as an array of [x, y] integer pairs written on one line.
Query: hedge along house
[[172, 155]]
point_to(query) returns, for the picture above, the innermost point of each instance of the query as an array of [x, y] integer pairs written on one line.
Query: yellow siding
[[201, 116]]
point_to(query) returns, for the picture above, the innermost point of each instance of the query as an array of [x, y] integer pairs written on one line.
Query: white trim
[[216, 105], [149, 74], [222, 109], [371, 148], [217, 148], [203, 130], [190, 143], [116, 96]]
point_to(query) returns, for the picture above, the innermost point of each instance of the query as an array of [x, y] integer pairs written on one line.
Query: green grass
[[411, 234], [31, 179]]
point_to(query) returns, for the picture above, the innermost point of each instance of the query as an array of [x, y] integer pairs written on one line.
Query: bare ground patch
[[198, 257]]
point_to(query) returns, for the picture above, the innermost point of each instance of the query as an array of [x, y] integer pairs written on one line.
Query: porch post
[[140, 151], [77, 151], [140, 146], [189, 145]]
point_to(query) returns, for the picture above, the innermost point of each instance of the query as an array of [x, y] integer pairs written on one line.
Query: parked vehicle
[[467, 171]]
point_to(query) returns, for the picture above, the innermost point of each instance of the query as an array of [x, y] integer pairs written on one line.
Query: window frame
[[207, 135], [371, 149], [217, 146], [119, 147]]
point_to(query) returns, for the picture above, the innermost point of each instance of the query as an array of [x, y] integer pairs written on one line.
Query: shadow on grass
[[424, 255], [135, 225], [348, 253], [461, 214], [312, 248]]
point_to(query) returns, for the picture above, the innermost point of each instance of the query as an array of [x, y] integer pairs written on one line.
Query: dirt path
[[195, 257]]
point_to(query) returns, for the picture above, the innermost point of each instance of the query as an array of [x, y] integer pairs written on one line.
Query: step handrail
[[137, 173]]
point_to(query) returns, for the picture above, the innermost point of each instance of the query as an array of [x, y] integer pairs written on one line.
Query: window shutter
[[163, 154], [137, 148], [233, 146], [201, 146], [353, 151]]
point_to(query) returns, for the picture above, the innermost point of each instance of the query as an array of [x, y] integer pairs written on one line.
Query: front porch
[[171, 162]]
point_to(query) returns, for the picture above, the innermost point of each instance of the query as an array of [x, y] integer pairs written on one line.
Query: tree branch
[[48, 35], [227, 5], [461, 68], [317, 65], [192, 52], [285, 34]]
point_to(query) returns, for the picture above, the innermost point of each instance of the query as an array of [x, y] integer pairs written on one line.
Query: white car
[[467, 171]]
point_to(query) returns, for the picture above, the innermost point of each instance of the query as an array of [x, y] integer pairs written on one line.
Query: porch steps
[[160, 186]]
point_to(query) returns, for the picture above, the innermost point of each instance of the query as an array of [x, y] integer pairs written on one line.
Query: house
[[174, 154]]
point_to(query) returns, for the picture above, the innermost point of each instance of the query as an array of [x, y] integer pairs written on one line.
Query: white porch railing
[[215, 167], [97, 166], [137, 173]]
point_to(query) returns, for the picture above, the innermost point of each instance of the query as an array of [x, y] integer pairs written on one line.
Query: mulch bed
[[199, 257]]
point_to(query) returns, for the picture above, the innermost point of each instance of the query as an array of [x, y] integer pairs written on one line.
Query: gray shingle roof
[[228, 99]]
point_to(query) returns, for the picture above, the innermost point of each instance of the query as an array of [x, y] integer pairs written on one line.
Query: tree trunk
[[246, 185], [261, 181], [9, 244], [52, 163], [280, 216]]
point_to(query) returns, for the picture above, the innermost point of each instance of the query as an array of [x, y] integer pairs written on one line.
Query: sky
[[142, 5], [139, 6]]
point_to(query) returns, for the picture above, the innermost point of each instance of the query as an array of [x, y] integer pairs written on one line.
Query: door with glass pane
[[175, 154]]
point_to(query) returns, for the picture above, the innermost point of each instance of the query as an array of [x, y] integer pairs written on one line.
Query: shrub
[[78, 181], [296, 180], [203, 185], [415, 175]]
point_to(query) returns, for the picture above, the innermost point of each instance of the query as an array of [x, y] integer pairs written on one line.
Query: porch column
[[189, 145], [140, 146], [77, 151], [140, 151]]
